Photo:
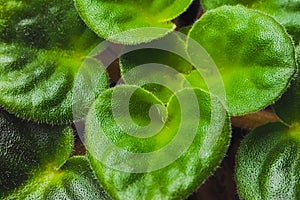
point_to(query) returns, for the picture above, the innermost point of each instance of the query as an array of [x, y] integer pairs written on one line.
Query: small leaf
[[254, 55], [166, 58], [288, 107], [267, 165], [42, 46], [154, 52], [155, 152], [34, 163], [285, 11], [131, 22]]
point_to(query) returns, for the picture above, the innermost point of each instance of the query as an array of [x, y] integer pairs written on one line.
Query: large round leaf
[[42, 46], [285, 11], [268, 162], [131, 22], [253, 53], [143, 150], [34, 163]]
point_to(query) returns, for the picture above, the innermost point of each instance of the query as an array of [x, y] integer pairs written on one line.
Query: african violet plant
[[164, 129]]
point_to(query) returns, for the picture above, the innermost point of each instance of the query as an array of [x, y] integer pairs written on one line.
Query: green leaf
[[154, 52], [285, 11], [195, 80], [254, 55], [34, 163], [141, 65], [131, 22], [75, 181], [140, 149], [268, 162], [42, 46], [288, 107], [185, 30], [26, 148]]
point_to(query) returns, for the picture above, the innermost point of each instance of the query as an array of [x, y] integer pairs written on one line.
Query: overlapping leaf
[[28, 148], [42, 46], [268, 160], [131, 22], [267, 165], [285, 11], [253, 53], [34, 163], [155, 152], [158, 66], [288, 107]]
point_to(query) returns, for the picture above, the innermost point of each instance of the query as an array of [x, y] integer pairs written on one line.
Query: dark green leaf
[[75, 181], [288, 107], [268, 162], [34, 163], [27, 149], [42, 46]]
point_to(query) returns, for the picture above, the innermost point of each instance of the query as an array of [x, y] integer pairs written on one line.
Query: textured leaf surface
[[253, 53], [75, 181], [268, 163], [288, 106], [42, 46], [285, 11], [26, 148], [34, 163], [131, 22], [117, 155], [152, 63]]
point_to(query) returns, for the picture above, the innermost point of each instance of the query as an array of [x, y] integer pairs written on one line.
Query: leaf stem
[[254, 120]]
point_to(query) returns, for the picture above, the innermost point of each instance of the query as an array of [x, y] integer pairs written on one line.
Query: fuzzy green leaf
[[165, 58], [268, 162], [288, 107], [285, 11], [131, 22], [254, 54], [26, 148], [165, 152], [74, 181], [34, 163], [42, 46]]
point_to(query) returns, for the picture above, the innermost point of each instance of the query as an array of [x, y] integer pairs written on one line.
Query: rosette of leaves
[[42, 46], [151, 150], [268, 160], [254, 55], [35, 164], [285, 11], [131, 22]]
